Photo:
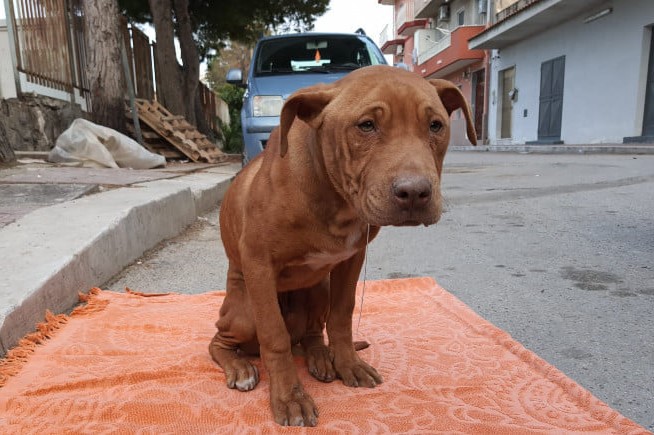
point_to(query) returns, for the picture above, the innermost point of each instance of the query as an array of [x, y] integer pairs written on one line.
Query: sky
[[349, 15], [343, 16]]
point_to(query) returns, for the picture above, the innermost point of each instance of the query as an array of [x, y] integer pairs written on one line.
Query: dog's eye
[[435, 126], [366, 126]]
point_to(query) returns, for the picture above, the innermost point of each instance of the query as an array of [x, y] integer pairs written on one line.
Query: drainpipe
[[487, 67], [11, 33], [484, 118]]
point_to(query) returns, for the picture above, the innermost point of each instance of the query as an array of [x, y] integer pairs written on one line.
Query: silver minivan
[[283, 64]]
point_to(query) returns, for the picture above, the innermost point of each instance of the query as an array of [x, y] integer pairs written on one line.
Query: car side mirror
[[234, 77]]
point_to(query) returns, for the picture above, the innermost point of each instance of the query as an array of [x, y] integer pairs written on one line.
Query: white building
[[570, 71], [430, 38]]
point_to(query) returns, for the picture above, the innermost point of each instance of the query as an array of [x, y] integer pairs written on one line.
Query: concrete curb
[[561, 149], [53, 253]]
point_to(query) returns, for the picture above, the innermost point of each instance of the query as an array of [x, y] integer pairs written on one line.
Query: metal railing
[[505, 8], [50, 46]]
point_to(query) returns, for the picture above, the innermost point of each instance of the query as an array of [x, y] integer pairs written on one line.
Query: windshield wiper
[[346, 67], [320, 69], [331, 68]]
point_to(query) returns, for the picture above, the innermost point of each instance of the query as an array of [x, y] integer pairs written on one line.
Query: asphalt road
[[557, 250]]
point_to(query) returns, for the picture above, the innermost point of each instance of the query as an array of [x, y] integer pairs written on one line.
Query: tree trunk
[[177, 85], [190, 60], [104, 66], [169, 80], [6, 151]]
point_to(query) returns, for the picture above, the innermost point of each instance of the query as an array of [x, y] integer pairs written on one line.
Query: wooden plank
[[178, 132], [148, 135], [154, 143]]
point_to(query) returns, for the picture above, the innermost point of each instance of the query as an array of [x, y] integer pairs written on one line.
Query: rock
[[33, 122]]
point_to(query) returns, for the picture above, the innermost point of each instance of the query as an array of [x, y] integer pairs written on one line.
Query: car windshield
[[315, 53]]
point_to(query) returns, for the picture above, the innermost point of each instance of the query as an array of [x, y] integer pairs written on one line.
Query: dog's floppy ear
[[453, 99], [306, 104]]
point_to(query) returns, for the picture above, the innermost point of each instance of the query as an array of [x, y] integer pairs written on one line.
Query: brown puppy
[[347, 158]]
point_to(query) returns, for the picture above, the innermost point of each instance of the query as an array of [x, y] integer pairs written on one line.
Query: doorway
[[507, 83], [478, 89], [647, 133], [550, 110], [648, 116]]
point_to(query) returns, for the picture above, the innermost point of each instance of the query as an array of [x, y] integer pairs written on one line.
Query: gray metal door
[[478, 88], [551, 99], [648, 117], [507, 81]]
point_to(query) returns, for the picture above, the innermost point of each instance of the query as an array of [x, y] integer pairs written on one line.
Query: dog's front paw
[[356, 373], [294, 407], [320, 363], [241, 374]]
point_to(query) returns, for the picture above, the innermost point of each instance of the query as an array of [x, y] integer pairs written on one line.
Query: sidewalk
[[631, 148], [64, 230]]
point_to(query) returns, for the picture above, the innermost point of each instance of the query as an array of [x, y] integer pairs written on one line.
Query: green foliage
[[217, 25], [234, 55], [233, 135], [237, 20]]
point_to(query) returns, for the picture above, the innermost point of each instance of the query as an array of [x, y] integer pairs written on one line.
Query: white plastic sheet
[[97, 146]]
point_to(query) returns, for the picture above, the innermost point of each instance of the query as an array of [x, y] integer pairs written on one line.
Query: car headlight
[[267, 105]]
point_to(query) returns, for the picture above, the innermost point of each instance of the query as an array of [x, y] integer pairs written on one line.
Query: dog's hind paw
[[241, 374]]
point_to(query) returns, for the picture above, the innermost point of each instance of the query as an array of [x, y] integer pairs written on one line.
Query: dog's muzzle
[[403, 200], [411, 193]]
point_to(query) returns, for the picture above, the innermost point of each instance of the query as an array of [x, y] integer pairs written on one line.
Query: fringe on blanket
[[16, 357]]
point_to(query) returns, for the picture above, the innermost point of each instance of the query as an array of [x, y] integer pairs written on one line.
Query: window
[[461, 17], [321, 53]]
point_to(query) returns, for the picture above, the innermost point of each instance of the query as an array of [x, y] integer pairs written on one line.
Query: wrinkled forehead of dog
[[393, 89], [392, 84]]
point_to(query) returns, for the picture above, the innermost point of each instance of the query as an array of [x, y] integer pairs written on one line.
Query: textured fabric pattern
[[126, 363]]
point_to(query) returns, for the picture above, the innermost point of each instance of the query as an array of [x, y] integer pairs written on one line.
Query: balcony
[[393, 46], [517, 20], [384, 36], [440, 54], [409, 27], [405, 20], [427, 8]]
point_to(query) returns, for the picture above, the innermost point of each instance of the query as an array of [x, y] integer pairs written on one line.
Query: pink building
[[431, 38]]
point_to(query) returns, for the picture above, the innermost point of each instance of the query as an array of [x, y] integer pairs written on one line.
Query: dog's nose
[[411, 192]]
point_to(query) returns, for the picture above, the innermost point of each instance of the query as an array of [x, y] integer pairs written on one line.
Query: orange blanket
[[125, 363]]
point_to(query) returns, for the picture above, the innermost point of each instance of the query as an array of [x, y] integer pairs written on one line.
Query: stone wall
[[33, 122]]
